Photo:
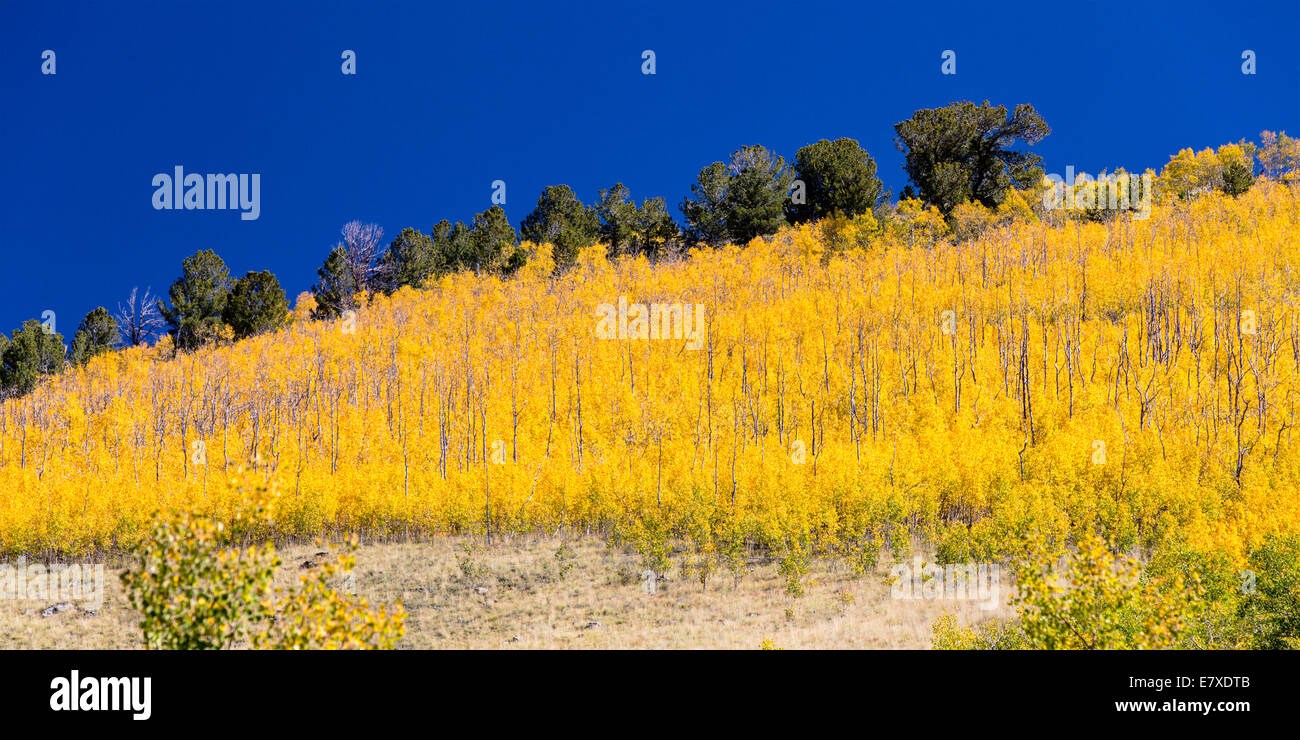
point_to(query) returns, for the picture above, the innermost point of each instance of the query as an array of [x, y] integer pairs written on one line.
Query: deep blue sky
[[451, 96]]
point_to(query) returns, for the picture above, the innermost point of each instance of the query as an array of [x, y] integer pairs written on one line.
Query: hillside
[[1136, 378]]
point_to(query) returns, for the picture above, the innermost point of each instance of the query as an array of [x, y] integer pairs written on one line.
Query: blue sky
[[449, 97]]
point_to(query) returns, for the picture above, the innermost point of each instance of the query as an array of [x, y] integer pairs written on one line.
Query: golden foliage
[[196, 587], [1134, 377]]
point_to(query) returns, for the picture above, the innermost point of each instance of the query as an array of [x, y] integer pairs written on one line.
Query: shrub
[[1096, 601], [994, 634], [197, 588], [1269, 610], [194, 594], [1105, 604]]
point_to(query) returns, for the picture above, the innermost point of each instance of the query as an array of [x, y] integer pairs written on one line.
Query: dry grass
[[464, 593]]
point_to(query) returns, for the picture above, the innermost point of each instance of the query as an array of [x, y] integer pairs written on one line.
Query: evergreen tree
[[334, 289], [561, 220], [629, 230], [453, 247], [838, 176], [409, 260], [656, 232], [618, 219], [32, 353], [1237, 178], [494, 244], [739, 200], [705, 208], [757, 192], [256, 304], [198, 297], [97, 333], [962, 153]]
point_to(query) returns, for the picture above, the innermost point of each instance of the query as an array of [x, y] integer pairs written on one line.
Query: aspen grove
[[858, 386]]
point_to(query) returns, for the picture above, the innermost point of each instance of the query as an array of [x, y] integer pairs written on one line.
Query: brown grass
[[463, 593]]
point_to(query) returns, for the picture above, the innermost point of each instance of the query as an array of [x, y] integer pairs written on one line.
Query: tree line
[[957, 158]]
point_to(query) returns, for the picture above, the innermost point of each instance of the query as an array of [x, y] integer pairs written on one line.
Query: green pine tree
[[256, 304], [197, 299], [33, 352], [96, 335]]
